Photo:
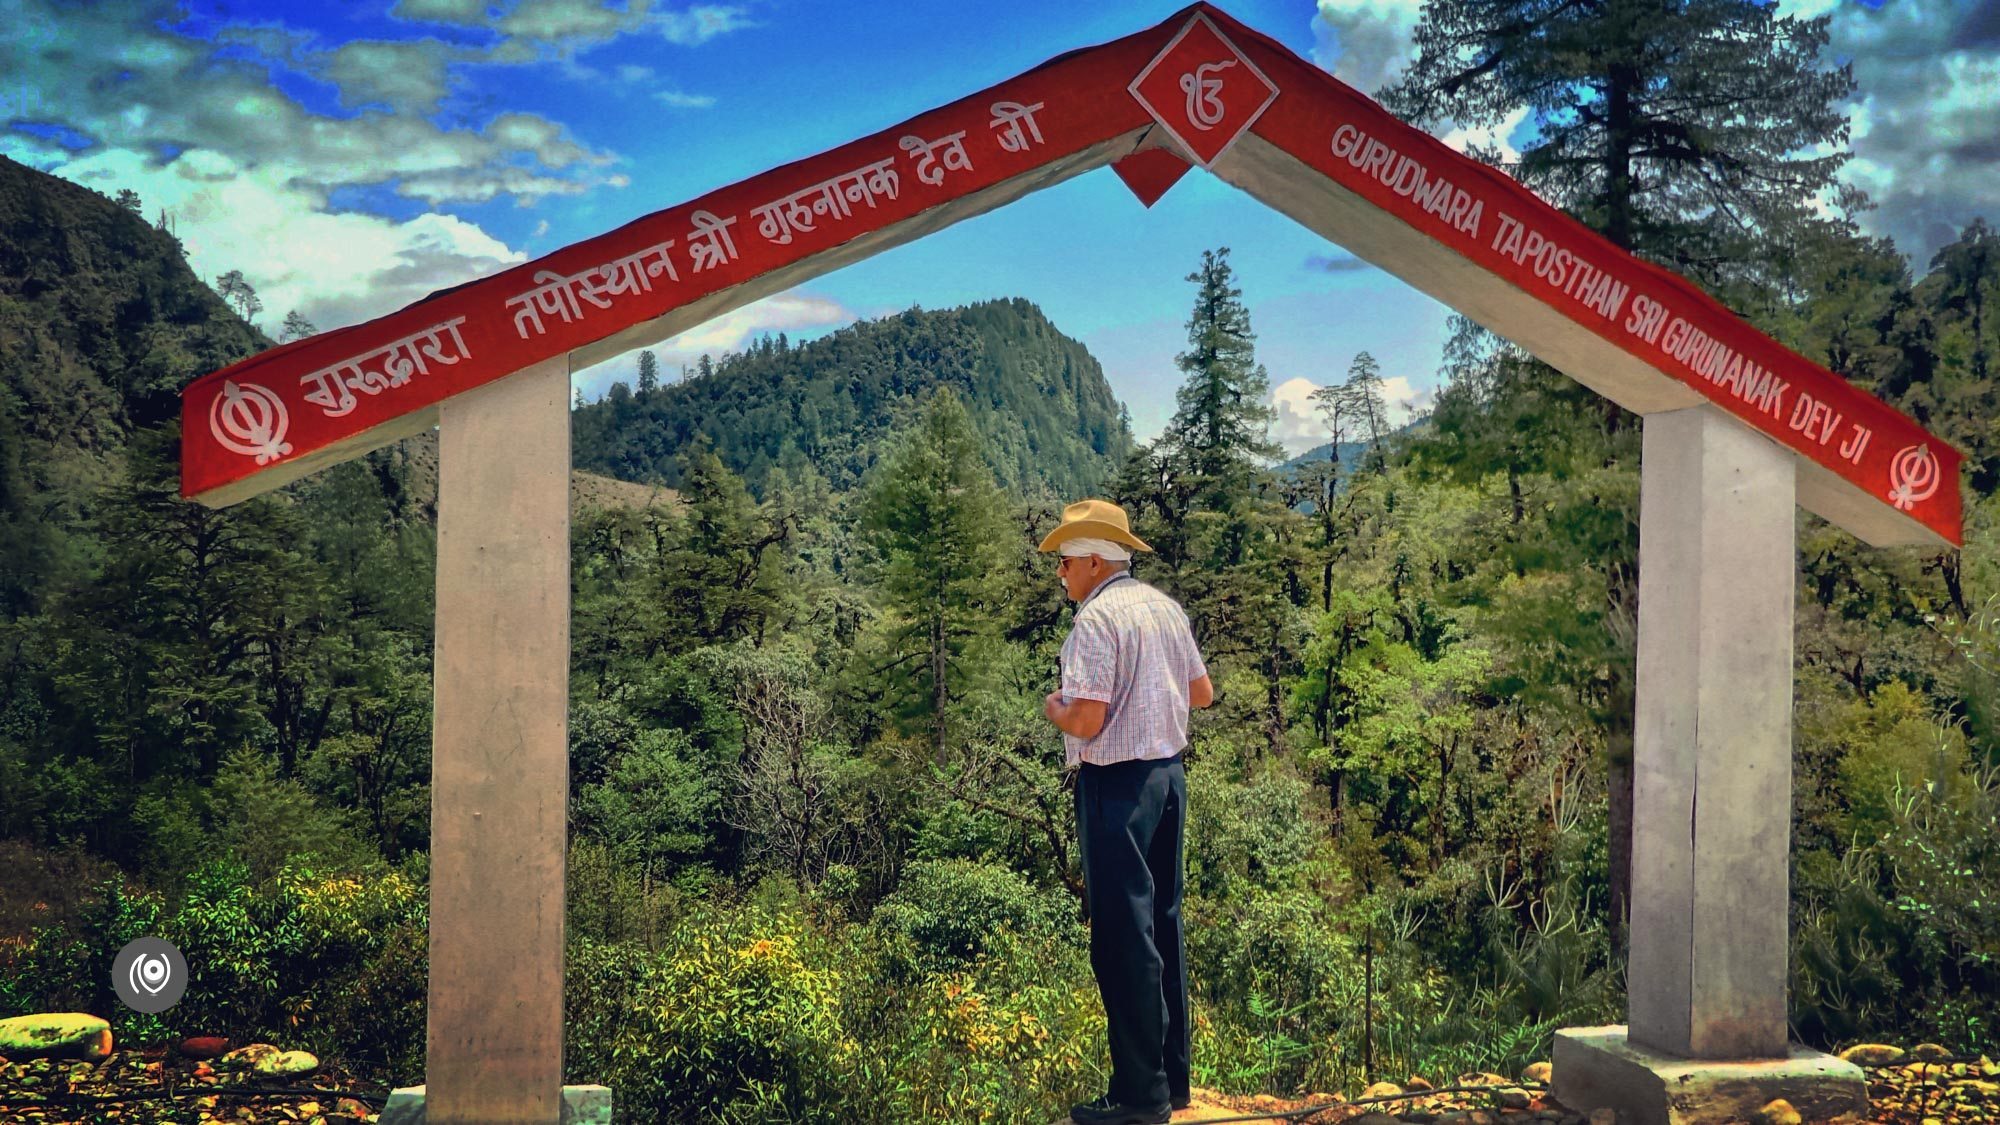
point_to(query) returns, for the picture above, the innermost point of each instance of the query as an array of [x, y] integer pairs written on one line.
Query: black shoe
[[1182, 1101], [1104, 1111]]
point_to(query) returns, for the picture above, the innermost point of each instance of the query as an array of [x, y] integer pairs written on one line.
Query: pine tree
[[1684, 130], [649, 373], [238, 292], [297, 327], [1362, 394], [1223, 417], [721, 580], [1970, 268], [1207, 502], [936, 523]]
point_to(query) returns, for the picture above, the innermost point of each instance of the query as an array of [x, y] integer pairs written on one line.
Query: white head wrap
[[1103, 548]]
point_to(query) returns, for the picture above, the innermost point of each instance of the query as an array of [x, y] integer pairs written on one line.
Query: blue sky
[[350, 157]]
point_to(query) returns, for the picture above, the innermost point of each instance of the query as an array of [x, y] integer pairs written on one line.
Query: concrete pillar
[[1712, 751], [500, 759]]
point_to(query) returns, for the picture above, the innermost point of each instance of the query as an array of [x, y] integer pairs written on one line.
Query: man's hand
[[1083, 718]]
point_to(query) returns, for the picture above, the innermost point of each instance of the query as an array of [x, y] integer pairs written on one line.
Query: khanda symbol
[[1913, 477], [250, 420], [1204, 101]]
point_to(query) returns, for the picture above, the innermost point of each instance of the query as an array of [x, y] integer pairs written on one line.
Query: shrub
[[955, 910], [736, 1019]]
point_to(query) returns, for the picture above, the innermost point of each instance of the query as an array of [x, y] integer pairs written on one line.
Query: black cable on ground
[[179, 1092]]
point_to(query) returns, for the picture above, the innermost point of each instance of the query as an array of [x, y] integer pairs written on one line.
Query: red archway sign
[[1197, 89]]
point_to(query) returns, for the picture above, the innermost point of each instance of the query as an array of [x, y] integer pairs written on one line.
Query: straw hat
[[1093, 519]]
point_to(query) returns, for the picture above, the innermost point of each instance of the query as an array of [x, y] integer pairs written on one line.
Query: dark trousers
[[1131, 818]]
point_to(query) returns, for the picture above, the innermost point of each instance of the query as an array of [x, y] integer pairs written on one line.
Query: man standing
[[1130, 671]]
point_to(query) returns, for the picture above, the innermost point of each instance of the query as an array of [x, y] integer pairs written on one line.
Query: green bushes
[[735, 1019], [955, 910], [771, 1009], [331, 964], [1902, 932]]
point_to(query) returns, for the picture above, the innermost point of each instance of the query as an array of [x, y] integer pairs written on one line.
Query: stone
[[1872, 1054], [1418, 1082], [246, 1057], [1604, 1115], [1540, 1072], [1929, 1052], [1482, 1078], [581, 1105], [1482, 1117], [1598, 1066], [1513, 1097], [203, 1046], [1382, 1090], [55, 1034], [351, 1108], [1778, 1111], [1375, 1118], [286, 1064]]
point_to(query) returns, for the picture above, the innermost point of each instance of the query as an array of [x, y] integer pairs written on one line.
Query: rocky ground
[[1921, 1087], [124, 1088]]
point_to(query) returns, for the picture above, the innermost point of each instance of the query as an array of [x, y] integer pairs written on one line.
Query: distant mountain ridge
[[1038, 397]]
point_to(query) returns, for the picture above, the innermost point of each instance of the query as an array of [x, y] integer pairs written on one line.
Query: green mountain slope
[[1038, 398], [101, 322]]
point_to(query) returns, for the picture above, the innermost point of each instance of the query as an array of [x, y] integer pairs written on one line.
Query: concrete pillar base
[[581, 1105], [1597, 1066]]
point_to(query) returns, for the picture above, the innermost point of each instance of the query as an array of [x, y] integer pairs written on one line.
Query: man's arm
[[1201, 692], [1083, 718]]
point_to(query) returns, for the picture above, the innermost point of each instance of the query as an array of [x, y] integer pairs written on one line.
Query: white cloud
[[1490, 140], [336, 269], [1365, 43], [114, 73], [1300, 429], [464, 13], [568, 26], [701, 23], [404, 75], [678, 100], [788, 312]]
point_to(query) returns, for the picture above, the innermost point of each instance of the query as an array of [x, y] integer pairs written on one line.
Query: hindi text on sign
[[382, 369]]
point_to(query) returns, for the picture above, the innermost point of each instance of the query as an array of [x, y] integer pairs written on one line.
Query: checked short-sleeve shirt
[[1131, 649]]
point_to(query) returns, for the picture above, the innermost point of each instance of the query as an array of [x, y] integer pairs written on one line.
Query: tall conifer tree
[[936, 522], [1688, 131], [1223, 417]]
